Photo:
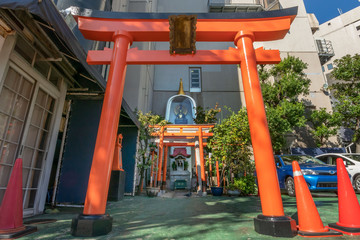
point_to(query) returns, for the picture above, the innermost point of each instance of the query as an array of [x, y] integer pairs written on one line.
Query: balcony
[[242, 5], [325, 50]]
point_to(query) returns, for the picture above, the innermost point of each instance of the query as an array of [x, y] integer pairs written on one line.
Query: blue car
[[318, 175]]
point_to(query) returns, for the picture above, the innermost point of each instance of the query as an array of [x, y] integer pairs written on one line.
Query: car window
[[301, 159], [348, 163], [325, 159], [332, 160], [355, 157]]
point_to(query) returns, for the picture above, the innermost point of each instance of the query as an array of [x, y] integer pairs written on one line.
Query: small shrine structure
[[181, 137], [180, 109]]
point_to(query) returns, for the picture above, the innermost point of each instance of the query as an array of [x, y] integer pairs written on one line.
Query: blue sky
[[328, 9]]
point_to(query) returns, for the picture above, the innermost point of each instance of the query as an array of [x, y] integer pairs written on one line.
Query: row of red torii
[[180, 136], [241, 28]]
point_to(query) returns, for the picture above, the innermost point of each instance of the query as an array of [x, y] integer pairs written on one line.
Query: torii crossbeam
[[242, 29]]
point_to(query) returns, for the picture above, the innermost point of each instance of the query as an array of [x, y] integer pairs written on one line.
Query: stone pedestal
[[116, 186], [91, 225], [275, 226], [180, 175]]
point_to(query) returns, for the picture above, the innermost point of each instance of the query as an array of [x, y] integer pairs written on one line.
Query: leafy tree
[[230, 144], [325, 125], [206, 116], [282, 85], [347, 93], [146, 141]]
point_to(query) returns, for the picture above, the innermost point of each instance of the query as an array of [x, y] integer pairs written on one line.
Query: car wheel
[[290, 186], [357, 184]]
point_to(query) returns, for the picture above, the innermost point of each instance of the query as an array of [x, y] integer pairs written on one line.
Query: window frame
[[330, 66], [195, 89]]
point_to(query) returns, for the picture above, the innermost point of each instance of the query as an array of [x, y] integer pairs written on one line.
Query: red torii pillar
[[246, 29], [163, 186], [202, 161], [161, 152], [151, 170]]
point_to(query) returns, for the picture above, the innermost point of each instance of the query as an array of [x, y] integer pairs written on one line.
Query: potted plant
[[217, 191], [234, 189], [230, 146], [145, 146]]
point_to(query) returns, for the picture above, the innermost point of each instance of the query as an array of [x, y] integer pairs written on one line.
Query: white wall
[[299, 42], [342, 33], [139, 80], [181, 6]]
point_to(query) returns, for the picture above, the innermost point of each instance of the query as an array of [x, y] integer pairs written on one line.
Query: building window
[[330, 66], [195, 79], [358, 28], [37, 61], [323, 69]]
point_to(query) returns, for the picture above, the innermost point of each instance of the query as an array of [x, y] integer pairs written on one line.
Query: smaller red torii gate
[[241, 28], [182, 135]]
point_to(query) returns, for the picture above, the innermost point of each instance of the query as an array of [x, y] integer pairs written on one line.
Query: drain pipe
[[60, 154]]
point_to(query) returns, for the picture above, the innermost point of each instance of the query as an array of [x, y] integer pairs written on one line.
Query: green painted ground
[[178, 217]]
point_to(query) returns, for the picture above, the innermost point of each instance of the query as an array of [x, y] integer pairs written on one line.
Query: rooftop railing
[[241, 5]]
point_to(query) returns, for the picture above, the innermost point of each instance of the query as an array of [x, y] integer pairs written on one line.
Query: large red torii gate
[[242, 29]]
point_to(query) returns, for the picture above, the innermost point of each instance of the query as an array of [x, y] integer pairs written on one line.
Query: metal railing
[[235, 2], [249, 4], [324, 47], [325, 50]]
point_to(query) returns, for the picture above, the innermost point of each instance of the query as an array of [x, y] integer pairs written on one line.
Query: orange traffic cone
[[349, 209], [310, 224], [11, 210]]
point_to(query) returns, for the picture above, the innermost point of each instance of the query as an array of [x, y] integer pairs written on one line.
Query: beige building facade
[[343, 33]]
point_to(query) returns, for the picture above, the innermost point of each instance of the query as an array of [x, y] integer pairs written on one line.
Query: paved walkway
[[176, 215]]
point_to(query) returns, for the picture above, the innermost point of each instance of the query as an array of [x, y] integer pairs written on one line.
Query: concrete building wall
[[139, 78], [344, 34], [299, 42], [219, 83], [182, 6]]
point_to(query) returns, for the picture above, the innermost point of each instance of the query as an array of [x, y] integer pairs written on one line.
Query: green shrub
[[246, 185]]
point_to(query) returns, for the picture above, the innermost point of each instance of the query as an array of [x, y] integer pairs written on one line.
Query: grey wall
[[79, 149], [220, 83]]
